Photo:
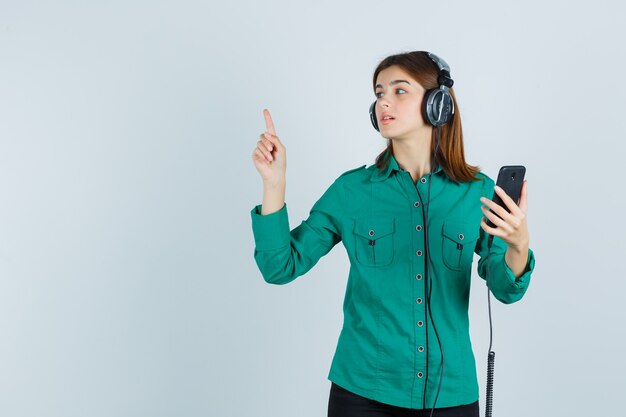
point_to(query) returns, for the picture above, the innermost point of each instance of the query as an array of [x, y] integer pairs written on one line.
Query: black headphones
[[438, 106]]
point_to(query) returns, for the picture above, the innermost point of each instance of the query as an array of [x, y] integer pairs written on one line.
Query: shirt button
[[419, 374], [423, 180], [418, 253], [420, 349], [371, 233], [418, 227], [461, 237], [420, 323], [418, 276], [416, 204], [419, 301]]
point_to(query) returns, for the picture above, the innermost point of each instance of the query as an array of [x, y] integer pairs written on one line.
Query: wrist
[[519, 249], [520, 246], [274, 185]]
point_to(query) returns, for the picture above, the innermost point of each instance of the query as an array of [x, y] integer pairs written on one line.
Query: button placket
[[419, 289]]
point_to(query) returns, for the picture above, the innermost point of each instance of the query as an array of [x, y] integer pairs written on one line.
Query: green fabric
[[385, 327]]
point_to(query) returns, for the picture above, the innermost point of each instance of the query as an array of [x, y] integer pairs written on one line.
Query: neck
[[414, 155]]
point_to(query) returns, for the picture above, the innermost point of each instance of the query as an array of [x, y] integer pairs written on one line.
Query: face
[[399, 104]]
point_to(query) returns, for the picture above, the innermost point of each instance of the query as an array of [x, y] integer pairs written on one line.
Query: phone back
[[510, 179]]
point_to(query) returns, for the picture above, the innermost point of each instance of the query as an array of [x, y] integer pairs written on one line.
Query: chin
[[400, 134], [393, 135], [389, 133]]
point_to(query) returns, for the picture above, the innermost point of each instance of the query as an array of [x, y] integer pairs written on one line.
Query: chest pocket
[[374, 245], [459, 240]]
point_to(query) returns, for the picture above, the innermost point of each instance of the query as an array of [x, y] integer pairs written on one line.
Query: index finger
[[506, 199], [269, 124]]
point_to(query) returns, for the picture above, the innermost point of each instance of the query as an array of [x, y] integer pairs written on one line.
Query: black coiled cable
[[491, 357]]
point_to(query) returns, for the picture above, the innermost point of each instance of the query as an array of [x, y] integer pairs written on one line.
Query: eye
[[400, 91], [378, 94]]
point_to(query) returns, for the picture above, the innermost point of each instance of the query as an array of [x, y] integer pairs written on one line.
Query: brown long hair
[[450, 155]]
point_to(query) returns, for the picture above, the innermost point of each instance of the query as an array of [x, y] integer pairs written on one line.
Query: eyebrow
[[393, 83]]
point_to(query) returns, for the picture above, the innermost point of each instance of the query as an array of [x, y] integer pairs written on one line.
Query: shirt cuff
[[271, 231], [524, 279]]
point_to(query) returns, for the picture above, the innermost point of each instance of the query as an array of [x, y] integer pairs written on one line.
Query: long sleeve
[[503, 284], [283, 255]]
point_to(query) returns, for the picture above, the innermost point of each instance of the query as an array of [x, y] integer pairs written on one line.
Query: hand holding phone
[[512, 227], [510, 179]]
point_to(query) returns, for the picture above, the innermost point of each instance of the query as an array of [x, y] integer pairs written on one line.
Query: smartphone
[[510, 179]]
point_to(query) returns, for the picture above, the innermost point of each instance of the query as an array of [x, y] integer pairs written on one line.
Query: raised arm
[[270, 160]]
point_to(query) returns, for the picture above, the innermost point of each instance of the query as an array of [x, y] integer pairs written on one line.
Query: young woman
[[410, 224]]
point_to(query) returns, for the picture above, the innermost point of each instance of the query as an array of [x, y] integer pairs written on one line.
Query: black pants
[[343, 403]]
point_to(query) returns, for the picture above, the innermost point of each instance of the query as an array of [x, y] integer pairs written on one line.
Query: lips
[[386, 118]]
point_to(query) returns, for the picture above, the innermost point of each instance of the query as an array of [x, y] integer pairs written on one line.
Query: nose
[[383, 103]]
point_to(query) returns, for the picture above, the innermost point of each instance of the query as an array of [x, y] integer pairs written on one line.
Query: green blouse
[[388, 349]]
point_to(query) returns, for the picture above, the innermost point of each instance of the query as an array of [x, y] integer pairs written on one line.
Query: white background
[[127, 280]]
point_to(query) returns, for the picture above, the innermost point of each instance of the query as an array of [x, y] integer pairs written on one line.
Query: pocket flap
[[461, 232], [374, 228]]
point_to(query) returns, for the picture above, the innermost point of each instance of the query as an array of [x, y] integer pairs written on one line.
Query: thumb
[[523, 202]]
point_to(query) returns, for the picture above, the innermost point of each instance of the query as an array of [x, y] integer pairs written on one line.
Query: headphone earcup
[[373, 118], [438, 107]]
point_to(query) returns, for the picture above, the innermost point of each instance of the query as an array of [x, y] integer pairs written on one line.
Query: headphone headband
[[441, 64], [444, 78]]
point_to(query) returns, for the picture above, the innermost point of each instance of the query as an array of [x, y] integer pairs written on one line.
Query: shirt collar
[[392, 166]]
